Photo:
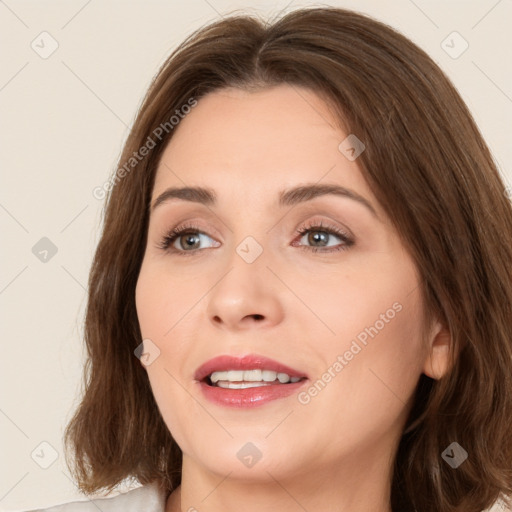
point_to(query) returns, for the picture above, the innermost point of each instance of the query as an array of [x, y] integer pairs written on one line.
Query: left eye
[[319, 234]]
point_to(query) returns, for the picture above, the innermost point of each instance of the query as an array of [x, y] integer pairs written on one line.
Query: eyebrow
[[288, 197]]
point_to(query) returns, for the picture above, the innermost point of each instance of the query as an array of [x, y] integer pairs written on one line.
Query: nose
[[246, 297]]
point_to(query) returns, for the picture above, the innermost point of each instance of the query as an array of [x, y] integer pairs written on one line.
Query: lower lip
[[249, 397]]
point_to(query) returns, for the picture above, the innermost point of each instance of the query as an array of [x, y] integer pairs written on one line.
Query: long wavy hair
[[430, 169]]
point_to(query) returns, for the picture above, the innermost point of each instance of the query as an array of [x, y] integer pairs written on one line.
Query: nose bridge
[[245, 291], [246, 263], [249, 237]]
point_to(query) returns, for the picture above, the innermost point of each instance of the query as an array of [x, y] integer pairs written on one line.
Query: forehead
[[241, 142]]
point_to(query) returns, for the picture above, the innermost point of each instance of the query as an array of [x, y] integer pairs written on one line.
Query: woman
[[302, 296]]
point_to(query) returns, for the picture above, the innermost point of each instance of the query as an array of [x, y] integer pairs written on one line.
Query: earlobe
[[437, 363]]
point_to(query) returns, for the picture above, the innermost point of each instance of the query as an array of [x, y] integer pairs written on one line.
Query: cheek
[[162, 314], [377, 362], [163, 302], [174, 403]]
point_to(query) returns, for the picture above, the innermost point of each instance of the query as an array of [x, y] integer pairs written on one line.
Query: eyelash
[[184, 229]]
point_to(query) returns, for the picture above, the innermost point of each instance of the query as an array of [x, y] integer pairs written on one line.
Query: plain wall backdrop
[[73, 75]]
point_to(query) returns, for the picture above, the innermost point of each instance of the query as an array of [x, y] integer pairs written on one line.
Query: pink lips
[[248, 397]]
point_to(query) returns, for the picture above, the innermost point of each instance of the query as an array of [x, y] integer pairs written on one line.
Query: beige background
[[64, 119]]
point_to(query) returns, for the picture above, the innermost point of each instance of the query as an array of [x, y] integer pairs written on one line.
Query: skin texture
[[334, 452]]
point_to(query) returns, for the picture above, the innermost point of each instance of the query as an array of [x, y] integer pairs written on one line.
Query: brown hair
[[429, 168]]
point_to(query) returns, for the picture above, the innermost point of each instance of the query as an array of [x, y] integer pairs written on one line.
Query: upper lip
[[247, 362]]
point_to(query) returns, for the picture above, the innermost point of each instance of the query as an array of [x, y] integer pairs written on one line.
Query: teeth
[[241, 385], [252, 375], [239, 379], [269, 376]]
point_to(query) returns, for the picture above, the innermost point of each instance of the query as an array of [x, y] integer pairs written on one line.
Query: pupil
[[318, 236], [190, 241]]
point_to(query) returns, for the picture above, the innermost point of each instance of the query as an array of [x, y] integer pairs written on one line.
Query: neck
[[360, 484]]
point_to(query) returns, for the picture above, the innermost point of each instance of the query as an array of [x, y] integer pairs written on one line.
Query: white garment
[[146, 498]]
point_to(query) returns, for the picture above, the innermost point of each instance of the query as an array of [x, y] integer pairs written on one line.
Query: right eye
[[187, 237]]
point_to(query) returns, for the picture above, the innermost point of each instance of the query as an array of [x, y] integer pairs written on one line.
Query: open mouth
[[242, 379], [247, 381]]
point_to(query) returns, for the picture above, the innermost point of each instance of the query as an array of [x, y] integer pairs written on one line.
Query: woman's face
[[276, 267]]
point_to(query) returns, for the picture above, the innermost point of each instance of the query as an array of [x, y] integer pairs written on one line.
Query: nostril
[[258, 317]]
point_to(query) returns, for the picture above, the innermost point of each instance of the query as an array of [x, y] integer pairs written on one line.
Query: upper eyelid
[[192, 224], [310, 223]]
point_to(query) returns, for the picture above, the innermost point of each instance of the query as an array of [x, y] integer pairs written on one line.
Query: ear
[[437, 363]]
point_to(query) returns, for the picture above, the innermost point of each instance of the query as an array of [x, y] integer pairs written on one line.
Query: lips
[[231, 388], [249, 362]]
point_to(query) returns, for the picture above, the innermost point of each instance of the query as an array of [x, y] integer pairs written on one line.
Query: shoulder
[[148, 498], [501, 505]]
